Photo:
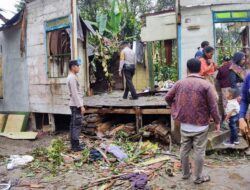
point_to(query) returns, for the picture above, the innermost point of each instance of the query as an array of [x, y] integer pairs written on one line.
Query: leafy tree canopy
[[20, 5]]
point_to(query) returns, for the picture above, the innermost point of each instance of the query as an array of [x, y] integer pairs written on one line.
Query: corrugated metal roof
[[16, 19], [88, 26]]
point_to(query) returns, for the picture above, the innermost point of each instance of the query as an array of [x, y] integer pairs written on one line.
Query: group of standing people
[[194, 102], [230, 77]]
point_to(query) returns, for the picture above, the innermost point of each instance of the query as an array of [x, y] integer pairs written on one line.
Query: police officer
[[127, 66], [76, 106]]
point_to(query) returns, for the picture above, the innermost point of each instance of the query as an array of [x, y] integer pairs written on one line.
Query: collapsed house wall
[[15, 74], [47, 95], [197, 25]]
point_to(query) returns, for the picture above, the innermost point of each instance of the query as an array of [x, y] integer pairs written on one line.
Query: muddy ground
[[227, 172]]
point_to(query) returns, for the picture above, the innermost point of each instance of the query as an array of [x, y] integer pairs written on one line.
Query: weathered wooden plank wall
[[15, 75], [46, 95]]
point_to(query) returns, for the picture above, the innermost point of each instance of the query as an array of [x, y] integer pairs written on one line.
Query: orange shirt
[[204, 68]]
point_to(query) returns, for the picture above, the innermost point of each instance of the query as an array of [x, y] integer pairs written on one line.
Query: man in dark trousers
[[76, 106], [127, 66], [193, 102]]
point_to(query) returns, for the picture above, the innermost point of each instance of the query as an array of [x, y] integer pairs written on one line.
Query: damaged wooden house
[[37, 43], [35, 48]]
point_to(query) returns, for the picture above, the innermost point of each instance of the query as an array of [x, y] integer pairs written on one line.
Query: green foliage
[[118, 20], [221, 53], [124, 20], [164, 4], [20, 5], [163, 71], [103, 54], [55, 151], [228, 40], [115, 18], [49, 158], [101, 20], [39, 152], [85, 155]]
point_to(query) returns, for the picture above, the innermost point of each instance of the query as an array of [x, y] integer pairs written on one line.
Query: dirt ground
[[227, 173]]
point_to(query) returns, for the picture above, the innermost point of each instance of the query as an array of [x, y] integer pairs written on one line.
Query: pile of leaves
[[49, 158]]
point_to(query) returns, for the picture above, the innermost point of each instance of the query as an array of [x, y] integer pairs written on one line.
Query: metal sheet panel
[[159, 27]]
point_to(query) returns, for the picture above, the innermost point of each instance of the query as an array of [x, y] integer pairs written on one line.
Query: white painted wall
[[191, 39], [159, 27], [201, 16]]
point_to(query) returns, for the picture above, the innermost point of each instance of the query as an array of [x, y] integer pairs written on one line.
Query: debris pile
[[116, 161], [164, 85], [158, 130]]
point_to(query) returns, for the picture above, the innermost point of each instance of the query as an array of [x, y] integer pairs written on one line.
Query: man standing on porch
[[76, 106], [193, 102], [127, 66]]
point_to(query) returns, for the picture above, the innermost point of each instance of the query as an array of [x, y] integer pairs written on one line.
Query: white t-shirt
[[233, 105], [193, 128]]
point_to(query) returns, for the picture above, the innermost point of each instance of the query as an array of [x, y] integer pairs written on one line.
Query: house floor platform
[[113, 103], [115, 99]]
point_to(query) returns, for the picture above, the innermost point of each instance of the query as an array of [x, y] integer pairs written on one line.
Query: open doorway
[[230, 38], [231, 33], [162, 55]]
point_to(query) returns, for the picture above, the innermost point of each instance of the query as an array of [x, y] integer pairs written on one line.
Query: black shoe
[[82, 146], [133, 98], [76, 146], [125, 98], [77, 149]]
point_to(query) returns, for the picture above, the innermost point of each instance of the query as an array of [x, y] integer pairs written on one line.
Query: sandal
[[202, 179]]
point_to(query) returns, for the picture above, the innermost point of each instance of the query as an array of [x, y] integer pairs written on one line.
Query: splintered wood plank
[[14, 123], [20, 135], [2, 121]]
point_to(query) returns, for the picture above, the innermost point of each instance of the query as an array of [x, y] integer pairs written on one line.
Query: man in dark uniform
[[127, 66], [76, 106]]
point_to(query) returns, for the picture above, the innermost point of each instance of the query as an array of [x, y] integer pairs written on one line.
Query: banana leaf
[[115, 18], [101, 20]]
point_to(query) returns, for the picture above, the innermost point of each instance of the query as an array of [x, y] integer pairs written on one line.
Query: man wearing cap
[[127, 66], [76, 105]]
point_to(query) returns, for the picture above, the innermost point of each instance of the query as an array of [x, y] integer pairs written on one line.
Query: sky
[[9, 7]]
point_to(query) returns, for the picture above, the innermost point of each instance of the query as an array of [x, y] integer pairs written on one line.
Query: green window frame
[[231, 16]]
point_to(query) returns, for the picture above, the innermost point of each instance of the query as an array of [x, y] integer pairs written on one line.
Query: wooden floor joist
[[144, 111]]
